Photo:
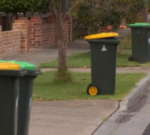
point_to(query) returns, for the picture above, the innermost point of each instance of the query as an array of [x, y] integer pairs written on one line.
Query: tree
[[22, 6], [59, 16], [145, 12], [98, 14], [9, 6], [58, 13]]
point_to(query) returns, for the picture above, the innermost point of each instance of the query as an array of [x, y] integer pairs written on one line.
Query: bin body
[[103, 64], [9, 96], [140, 34], [25, 100], [25, 95]]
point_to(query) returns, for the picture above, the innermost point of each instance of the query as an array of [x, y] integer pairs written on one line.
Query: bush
[[98, 14], [9, 6]]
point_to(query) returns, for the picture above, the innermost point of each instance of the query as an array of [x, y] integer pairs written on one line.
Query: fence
[[31, 33]]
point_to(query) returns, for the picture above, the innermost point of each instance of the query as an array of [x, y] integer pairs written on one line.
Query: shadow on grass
[[46, 89], [83, 60]]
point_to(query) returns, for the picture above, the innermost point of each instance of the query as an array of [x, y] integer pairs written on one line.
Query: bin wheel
[[131, 58], [92, 90]]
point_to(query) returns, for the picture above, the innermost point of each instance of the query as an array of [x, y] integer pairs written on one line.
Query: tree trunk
[[62, 45], [145, 13]]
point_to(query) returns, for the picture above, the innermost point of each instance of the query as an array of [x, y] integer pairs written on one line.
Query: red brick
[[35, 17], [30, 33], [22, 18]]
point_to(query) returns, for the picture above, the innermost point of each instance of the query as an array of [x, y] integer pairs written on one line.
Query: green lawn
[[82, 60], [46, 89], [125, 43]]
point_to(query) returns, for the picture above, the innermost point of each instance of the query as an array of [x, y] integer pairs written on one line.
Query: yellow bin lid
[[101, 35], [9, 66]]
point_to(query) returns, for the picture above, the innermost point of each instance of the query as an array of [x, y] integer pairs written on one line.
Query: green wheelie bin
[[25, 95], [103, 63], [9, 96], [140, 34]]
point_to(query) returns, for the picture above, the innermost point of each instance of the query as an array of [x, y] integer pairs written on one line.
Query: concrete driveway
[[81, 117], [46, 55]]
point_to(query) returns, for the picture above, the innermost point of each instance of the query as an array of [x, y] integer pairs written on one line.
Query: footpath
[[121, 70], [133, 121]]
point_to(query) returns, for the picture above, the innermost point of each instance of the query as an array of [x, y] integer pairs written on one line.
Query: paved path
[[130, 122], [69, 117], [47, 55], [145, 69], [38, 57]]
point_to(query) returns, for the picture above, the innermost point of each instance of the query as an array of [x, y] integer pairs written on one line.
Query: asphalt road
[[147, 131]]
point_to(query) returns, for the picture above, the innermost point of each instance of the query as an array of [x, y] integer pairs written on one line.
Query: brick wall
[[33, 33], [22, 24], [1, 43], [43, 32], [9, 43], [68, 28]]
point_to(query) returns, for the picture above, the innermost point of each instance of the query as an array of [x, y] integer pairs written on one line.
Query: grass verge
[[125, 43], [47, 89], [82, 60]]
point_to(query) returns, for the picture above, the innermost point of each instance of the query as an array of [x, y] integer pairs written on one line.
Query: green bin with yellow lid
[[103, 63], [10, 74], [25, 94]]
